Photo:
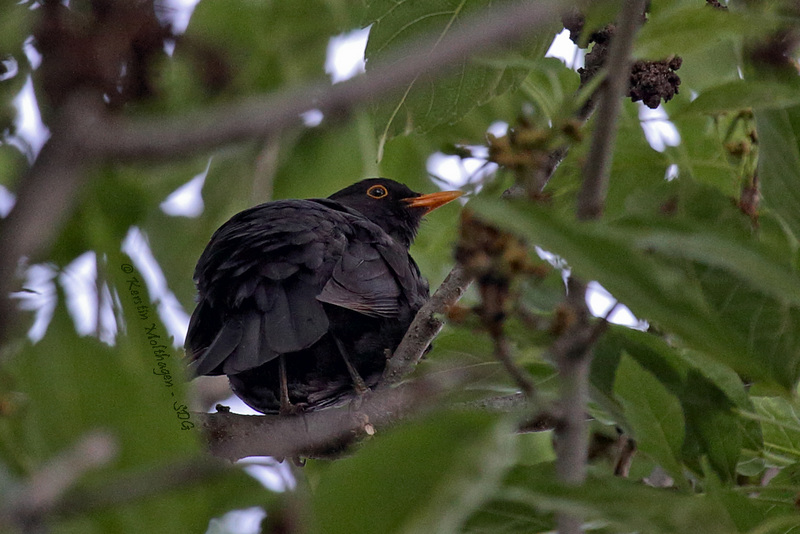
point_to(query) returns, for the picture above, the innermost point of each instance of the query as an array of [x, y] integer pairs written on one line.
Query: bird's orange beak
[[432, 201]]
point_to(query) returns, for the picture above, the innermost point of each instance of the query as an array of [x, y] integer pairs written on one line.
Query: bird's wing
[[258, 280], [368, 277], [362, 281], [404, 267]]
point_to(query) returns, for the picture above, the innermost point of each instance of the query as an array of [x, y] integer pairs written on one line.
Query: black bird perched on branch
[[301, 300]]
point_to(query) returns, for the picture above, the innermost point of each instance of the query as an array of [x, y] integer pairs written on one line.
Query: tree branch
[[47, 195], [321, 433], [139, 485], [127, 488], [45, 489], [573, 350], [264, 116], [425, 327]]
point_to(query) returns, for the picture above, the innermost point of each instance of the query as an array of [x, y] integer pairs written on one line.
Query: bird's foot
[[360, 397], [291, 409]]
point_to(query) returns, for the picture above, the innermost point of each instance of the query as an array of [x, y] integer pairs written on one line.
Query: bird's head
[[392, 206]]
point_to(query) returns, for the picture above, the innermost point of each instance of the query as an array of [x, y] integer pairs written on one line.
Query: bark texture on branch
[[324, 433]]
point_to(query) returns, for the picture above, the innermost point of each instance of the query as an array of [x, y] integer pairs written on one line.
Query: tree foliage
[[699, 239]]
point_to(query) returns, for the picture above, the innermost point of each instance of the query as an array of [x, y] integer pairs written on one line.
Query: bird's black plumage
[[294, 290]]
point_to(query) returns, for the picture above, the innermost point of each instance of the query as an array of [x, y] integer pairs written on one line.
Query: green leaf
[[509, 517], [604, 256], [264, 44], [620, 504], [747, 513], [678, 28], [550, 87], [424, 104], [320, 161], [701, 155], [742, 94], [779, 164], [637, 168], [744, 260], [422, 477], [704, 68], [780, 421], [716, 433], [12, 164], [709, 378], [783, 488], [663, 271], [73, 385], [707, 390], [654, 414]]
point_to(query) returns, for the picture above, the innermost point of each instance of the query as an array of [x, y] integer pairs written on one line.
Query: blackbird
[[300, 301]]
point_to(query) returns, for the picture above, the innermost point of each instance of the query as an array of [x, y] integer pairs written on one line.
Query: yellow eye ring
[[377, 191]]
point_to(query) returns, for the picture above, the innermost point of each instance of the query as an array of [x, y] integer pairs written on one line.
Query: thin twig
[[500, 403], [266, 167], [627, 450], [425, 327], [573, 357], [571, 351], [591, 198], [602, 325], [502, 352]]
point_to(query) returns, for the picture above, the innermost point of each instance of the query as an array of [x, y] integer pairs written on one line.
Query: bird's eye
[[377, 191]]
